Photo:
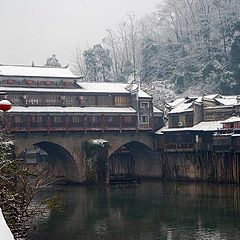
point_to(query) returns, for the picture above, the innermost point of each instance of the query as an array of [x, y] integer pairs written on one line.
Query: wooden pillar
[[85, 122], [136, 122], [48, 123], [28, 121], [120, 123], [67, 123], [103, 125]]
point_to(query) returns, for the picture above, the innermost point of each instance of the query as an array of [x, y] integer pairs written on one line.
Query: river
[[147, 211]]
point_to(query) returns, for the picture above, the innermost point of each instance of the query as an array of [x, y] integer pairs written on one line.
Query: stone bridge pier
[[68, 156]]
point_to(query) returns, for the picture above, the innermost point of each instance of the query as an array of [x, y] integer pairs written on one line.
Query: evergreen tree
[[98, 64], [52, 62]]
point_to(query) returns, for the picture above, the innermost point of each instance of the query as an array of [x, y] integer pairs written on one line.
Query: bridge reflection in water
[[151, 210]]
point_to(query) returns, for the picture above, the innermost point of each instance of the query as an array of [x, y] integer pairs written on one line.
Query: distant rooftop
[[36, 71], [185, 104]]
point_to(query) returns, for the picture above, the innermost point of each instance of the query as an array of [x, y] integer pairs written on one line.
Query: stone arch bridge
[[68, 155]]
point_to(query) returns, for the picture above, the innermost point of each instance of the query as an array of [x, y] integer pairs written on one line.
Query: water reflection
[[149, 211]]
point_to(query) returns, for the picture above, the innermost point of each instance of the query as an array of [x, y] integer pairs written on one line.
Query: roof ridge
[[35, 66]]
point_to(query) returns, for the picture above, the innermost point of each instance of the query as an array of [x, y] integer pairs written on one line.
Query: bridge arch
[[59, 161], [115, 145], [135, 158]]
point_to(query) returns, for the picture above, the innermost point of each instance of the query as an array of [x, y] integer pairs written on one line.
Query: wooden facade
[[184, 141], [33, 122], [183, 119], [221, 139], [218, 113]]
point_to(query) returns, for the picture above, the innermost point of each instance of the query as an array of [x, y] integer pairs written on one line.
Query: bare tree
[[78, 65], [111, 40]]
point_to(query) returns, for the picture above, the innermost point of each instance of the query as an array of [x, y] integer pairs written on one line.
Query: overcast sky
[[35, 29]]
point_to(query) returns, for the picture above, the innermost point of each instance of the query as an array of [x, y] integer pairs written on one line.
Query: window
[[104, 100], [39, 119], [144, 119], [33, 119], [144, 104], [69, 100], [94, 119], [15, 99], [32, 101], [174, 120], [127, 119], [75, 119], [18, 119], [189, 120], [57, 119], [49, 100], [110, 119], [121, 101], [87, 100], [36, 119]]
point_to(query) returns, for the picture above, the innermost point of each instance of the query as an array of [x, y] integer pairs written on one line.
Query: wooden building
[[189, 111], [54, 99], [198, 137]]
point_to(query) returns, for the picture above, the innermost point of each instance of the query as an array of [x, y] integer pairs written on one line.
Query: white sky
[[36, 29]]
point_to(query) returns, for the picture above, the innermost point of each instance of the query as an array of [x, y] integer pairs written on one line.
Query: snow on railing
[[5, 233]]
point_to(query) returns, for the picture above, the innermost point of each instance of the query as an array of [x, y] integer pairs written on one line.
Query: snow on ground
[[5, 233]]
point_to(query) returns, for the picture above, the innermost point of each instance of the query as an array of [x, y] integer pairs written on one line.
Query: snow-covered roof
[[229, 96], [176, 102], [156, 110], [83, 88], [232, 119], [100, 142], [30, 71], [208, 126], [199, 100], [227, 101], [111, 88], [202, 126], [54, 109], [142, 94], [103, 87], [218, 107], [36, 89], [183, 107], [212, 96], [236, 135]]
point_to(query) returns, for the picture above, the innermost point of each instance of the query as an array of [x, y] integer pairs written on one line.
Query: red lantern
[[5, 105]]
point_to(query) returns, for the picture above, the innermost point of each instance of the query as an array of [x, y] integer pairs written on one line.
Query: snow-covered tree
[[52, 62], [18, 187], [98, 64], [186, 43]]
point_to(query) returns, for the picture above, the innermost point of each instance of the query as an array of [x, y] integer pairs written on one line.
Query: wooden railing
[[70, 122]]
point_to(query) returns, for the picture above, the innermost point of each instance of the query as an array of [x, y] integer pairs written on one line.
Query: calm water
[[149, 211]]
